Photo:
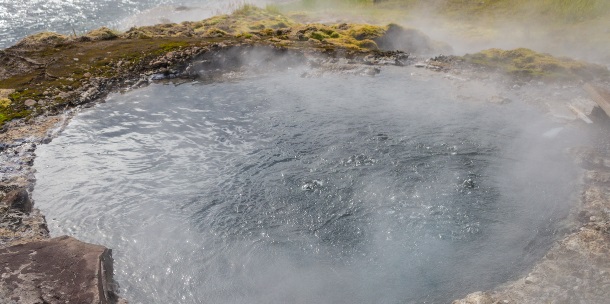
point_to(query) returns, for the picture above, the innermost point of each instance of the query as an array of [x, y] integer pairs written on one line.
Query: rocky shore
[[46, 78], [577, 268]]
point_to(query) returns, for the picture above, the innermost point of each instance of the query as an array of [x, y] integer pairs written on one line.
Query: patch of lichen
[[528, 63]]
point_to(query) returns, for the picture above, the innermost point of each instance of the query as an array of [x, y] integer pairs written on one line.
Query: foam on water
[[280, 189]]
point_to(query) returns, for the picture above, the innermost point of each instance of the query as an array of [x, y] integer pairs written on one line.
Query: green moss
[[318, 35], [257, 26], [365, 31], [215, 33], [525, 62], [368, 44], [172, 46]]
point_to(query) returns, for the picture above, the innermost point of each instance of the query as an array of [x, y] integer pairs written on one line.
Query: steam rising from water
[[279, 189]]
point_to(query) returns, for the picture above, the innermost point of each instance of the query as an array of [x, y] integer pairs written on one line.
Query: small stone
[[75, 59], [30, 102], [87, 75], [531, 279], [18, 199]]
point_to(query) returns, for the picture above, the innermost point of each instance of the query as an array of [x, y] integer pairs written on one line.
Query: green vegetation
[[564, 10], [59, 65], [527, 63], [62, 64], [103, 33]]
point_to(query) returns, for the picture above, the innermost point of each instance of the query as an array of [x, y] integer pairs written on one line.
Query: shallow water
[[282, 189]]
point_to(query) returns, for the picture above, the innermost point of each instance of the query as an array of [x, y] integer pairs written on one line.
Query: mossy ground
[[59, 64], [64, 63], [527, 63], [574, 28]]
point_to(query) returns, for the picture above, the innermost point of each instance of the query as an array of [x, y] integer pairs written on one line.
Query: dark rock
[[18, 199], [410, 41], [60, 270]]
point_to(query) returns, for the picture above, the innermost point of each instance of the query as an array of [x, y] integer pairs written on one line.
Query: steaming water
[[280, 189]]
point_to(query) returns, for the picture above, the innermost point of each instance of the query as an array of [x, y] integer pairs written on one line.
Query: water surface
[[282, 189]]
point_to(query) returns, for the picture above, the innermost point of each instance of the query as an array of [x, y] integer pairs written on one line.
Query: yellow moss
[[43, 38], [4, 102], [368, 44], [102, 33], [215, 32], [526, 62], [318, 35], [249, 18], [365, 31], [5, 93]]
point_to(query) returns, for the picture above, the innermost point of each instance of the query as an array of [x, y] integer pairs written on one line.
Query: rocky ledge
[[59, 270], [46, 77], [577, 268]]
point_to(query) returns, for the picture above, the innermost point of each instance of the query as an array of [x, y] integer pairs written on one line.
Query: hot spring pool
[[282, 189]]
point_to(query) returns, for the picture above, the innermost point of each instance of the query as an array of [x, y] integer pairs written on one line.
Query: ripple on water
[[281, 189]]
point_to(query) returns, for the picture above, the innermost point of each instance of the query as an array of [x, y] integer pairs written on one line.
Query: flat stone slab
[[59, 270], [600, 95]]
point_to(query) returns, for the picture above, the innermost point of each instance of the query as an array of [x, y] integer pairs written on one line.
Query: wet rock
[[476, 298], [371, 71], [397, 58], [89, 95], [18, 199], [60, 270], [601, 95], [141, 82], [410, 40]]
